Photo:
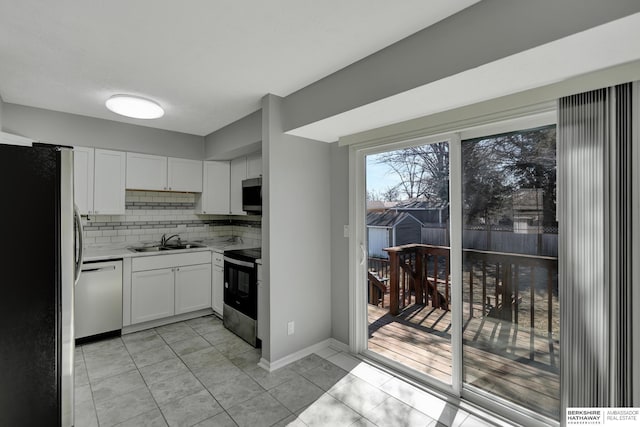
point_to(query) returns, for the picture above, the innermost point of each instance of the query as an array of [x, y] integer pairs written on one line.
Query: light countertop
[[108, 252]]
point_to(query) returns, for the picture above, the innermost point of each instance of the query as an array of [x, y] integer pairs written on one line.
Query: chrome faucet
[[165, 239]]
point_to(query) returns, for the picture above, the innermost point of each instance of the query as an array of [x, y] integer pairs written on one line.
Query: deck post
[[471, 290], [507, 291], [394, 284], [419, 282]]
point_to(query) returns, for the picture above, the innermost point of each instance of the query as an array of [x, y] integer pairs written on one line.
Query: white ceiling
[[207, 62]]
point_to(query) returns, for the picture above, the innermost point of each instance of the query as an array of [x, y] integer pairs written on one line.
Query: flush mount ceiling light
[[135, 107]]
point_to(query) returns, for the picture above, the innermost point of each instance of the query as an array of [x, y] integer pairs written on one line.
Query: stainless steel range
[[240, 311]]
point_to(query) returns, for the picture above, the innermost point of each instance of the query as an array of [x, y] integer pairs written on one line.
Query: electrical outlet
[[346, 231], [291, 328]]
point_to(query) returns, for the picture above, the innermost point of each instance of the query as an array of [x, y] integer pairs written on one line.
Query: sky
[[379, 176]]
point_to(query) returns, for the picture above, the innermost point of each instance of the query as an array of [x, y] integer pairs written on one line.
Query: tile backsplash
[[150, 214]]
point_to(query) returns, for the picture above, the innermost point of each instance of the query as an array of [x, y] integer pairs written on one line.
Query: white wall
[[487, 31], [1, 107], [71, 129], [237, 139], [296, 244], [339, 243]]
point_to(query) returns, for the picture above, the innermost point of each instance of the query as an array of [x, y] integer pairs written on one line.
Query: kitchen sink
[[148, 249], [183, 246], [159, 248]]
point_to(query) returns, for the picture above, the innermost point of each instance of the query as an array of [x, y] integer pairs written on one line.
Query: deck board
[[498, 357]]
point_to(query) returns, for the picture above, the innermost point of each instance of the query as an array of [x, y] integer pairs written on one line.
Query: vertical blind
[[594, 206], [621, 257]]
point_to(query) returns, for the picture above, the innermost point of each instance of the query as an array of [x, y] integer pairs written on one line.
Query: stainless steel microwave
[[252, 195]]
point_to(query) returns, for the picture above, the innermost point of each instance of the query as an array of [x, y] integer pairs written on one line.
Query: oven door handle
[[238, 262]]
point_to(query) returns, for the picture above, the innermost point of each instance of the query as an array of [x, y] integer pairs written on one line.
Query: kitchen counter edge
[[92, 254]]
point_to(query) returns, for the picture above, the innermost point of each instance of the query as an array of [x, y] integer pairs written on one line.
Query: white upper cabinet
[[159, 173], [215, 188], [238, 174], [83, 179], [109, 182], [184, 175], [99, 181], [146, 172], [254, 165]]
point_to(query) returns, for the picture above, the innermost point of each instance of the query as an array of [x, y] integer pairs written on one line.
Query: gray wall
[[339, 243], [484, 32], [71, 129], [237, 139], [1, 107], [296, 246], [489, 30]]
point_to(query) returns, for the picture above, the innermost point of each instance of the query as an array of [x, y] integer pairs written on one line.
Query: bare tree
[[435, 162], [495, 167], [391, 194], [423, 171], [373, 195], [485, 186]]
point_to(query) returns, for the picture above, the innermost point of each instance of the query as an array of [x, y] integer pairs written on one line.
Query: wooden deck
[[498, 356]]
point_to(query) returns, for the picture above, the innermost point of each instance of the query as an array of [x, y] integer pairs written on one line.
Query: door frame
[[358, 324], [543, 114]]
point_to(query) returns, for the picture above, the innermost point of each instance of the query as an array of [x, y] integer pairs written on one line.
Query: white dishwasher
[[98, 299]]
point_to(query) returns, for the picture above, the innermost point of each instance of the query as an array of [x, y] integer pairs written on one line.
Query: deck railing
[[506, 286], [379, 267]]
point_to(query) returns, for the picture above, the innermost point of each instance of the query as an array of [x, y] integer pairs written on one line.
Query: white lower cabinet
[[193, 288], [152, 295], [263, 296], [217, 283], [167, 285]]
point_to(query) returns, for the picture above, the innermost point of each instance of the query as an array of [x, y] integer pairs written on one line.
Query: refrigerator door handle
[[79, 249]]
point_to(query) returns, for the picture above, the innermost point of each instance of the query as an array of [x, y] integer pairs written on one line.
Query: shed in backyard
[[391, 228]]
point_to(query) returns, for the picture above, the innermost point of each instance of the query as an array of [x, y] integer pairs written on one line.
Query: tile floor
[[198, 373]]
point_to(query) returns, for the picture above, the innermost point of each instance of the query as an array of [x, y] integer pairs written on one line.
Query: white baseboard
[[330, 342], [264, 364], [339, 345]]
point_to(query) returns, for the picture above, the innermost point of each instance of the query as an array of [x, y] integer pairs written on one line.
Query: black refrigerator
[[39, 270]]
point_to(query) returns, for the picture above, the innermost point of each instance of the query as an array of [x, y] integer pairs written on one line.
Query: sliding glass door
[[408, 263], [511, 322], [458, 263]]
